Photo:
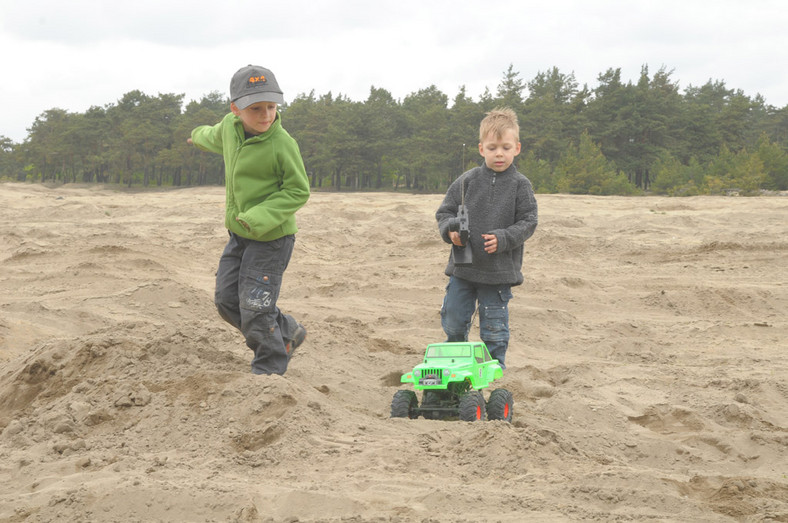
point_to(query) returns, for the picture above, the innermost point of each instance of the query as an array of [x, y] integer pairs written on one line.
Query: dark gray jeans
[[247, 288]]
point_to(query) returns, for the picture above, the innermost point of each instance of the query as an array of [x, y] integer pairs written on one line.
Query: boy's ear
[[481, 149], [517, 151], [234, 109]]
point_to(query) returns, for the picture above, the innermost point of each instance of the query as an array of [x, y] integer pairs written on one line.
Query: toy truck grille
[[431, 377]]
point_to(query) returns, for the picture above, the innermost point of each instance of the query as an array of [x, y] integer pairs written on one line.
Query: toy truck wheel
[[404, 404], [500, 405], [472, 406]]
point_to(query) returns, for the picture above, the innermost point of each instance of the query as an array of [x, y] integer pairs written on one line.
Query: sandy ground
[[648, 362]]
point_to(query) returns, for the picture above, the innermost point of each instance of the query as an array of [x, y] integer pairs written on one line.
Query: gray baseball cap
[[252, 84]]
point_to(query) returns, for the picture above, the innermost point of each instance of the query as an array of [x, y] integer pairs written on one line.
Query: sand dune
[[648, 364]]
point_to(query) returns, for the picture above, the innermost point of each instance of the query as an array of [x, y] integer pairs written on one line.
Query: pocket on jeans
[[495, 312], [259, 291], [494, 323]]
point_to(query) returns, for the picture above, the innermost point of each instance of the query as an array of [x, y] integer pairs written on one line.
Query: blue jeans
[[247, 287], [459, 305]]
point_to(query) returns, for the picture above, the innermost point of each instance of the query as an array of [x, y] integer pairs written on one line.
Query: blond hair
[[499, 121]]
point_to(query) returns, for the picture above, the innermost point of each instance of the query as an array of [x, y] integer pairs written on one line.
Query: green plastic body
[[454, 365]]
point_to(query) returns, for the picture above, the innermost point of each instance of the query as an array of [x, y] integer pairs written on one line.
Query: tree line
[[615, 138]]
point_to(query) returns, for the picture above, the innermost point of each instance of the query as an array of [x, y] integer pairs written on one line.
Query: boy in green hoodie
[[266, 183]]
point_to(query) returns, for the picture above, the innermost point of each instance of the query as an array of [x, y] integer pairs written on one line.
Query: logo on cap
[[255, 80]]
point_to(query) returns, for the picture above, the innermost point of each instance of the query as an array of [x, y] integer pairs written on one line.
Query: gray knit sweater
[[498, 203]]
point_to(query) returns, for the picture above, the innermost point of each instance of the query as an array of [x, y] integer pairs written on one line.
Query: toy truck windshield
[[448, 351]]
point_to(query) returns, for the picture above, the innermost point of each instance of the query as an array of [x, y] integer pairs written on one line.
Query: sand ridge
[[648, 365]]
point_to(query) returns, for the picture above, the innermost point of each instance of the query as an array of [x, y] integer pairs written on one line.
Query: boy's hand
[[243, 224], [189, 141], [454, 236], [490, 243]]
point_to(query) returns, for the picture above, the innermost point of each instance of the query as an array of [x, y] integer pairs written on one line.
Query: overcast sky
[[74, 54]]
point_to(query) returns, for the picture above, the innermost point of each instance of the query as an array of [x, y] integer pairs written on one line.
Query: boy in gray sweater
[[502, 214]]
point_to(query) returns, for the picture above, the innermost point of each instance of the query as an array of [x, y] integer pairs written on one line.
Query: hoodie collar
[[509, 170]]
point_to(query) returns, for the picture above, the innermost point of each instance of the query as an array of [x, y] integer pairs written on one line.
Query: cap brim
[[245, 101]]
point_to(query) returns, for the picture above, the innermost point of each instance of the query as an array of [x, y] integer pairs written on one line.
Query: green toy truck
[[451, 378]]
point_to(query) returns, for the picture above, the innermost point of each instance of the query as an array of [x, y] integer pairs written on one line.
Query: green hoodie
[[265, 178]]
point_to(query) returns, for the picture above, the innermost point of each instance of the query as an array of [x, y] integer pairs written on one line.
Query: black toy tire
[[500, 405], [404, 404], [472, 406]]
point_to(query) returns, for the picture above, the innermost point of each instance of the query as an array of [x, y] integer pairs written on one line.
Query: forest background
[[613, 139]]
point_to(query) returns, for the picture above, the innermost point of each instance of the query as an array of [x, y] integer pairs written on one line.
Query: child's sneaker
[[298, 339]]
